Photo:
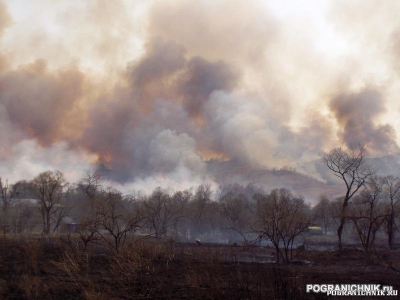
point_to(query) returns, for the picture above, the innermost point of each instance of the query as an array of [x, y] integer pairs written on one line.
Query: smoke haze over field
[[148, 91]]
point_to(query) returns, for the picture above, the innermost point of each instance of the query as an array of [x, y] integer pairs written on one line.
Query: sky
[[148, 91]]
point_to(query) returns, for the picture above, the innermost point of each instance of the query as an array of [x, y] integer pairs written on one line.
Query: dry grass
[[50, 269]]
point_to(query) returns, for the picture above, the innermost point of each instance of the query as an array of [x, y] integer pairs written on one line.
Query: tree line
[[370, 203], [98, 214]]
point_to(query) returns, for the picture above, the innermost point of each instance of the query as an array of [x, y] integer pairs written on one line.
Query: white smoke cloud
[[27, 159]]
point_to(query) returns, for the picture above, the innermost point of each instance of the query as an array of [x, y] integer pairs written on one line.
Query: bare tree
[[392, 207], [281, 218], [367, 212], [161, 212], [48, 188], [89, 190], [181, 222], [322, 212], [200, 208], [351, 168], [8, 197], [116, 218], [25, 216], [335, 210], [236, 213], [90, 184]]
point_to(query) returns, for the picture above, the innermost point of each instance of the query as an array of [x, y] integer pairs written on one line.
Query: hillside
[[229, 172]]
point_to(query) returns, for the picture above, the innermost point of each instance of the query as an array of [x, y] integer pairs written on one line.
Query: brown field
[[57, 268]]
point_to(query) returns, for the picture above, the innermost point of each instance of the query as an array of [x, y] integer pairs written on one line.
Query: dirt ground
[[55, 269]]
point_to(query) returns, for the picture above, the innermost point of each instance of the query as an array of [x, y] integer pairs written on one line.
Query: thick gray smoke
[[38, 101], [149, 98], [357, 114], [161, 104]]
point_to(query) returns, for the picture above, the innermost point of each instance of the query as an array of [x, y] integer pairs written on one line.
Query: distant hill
[[230, 172]]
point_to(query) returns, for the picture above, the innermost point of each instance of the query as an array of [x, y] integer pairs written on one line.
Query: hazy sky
[[150, 89]]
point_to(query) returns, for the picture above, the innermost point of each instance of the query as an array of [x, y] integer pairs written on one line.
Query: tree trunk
[[340, 231], [390, 231], [47, 224], [277, 253], [342, 220]]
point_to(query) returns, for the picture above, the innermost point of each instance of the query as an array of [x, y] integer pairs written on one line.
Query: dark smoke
[[356, 114], [200, 79], [165, 94], [38, 101]]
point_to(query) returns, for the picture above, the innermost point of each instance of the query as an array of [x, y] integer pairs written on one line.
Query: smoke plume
[[356, 114], [148, 92]]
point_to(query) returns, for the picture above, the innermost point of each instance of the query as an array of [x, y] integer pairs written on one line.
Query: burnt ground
[[55, 269]]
